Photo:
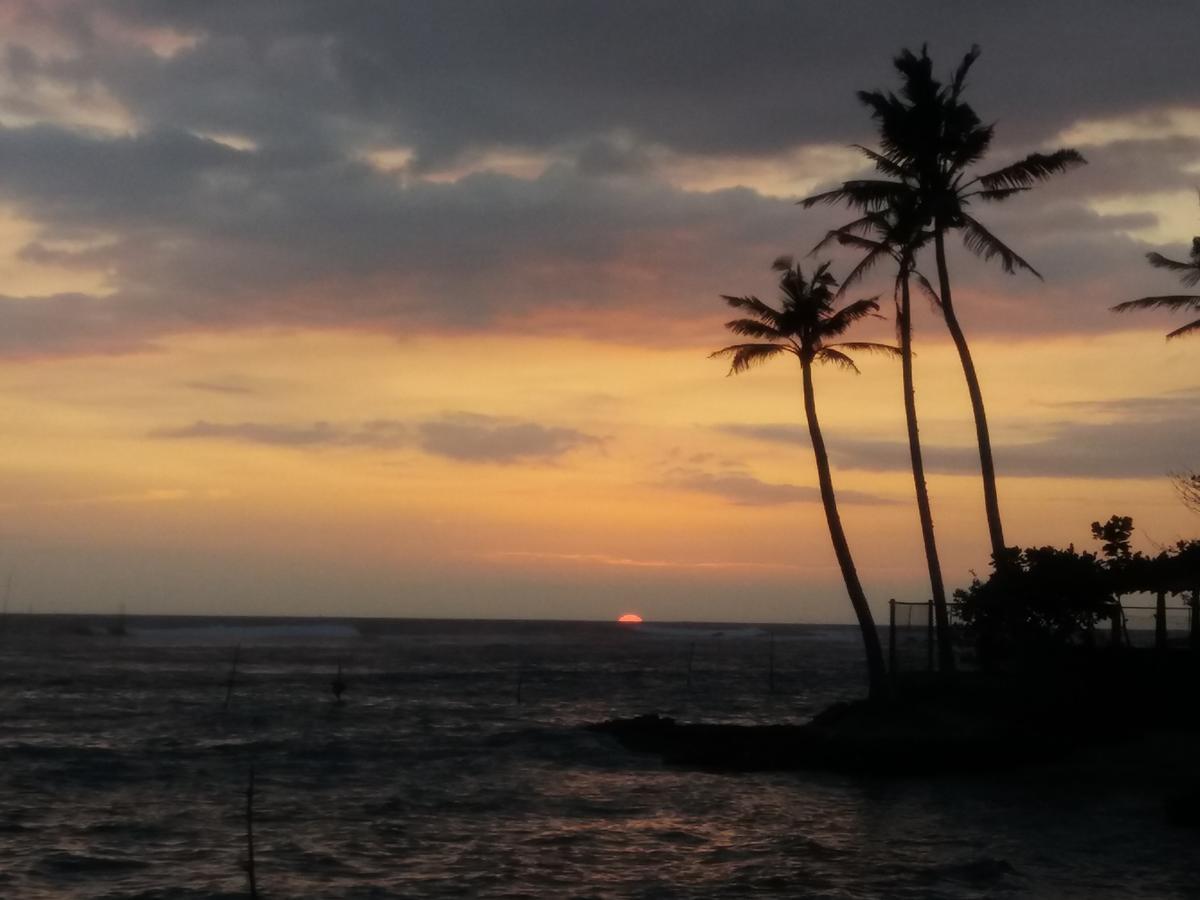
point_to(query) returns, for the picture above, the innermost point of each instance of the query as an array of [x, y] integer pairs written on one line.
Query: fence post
[[929, 639], [1194, 624], [892, 635], [1160, 621]]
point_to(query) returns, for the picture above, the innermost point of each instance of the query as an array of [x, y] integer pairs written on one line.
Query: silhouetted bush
[[1036, 602]]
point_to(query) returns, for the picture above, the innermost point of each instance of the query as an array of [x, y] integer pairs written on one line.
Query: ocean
[[456, 766]]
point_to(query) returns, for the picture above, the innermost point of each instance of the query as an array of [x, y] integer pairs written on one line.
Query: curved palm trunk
[[991, 501], [866, 622], [936, 585]]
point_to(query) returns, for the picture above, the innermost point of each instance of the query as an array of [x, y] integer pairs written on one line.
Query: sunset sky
[[404, 308]]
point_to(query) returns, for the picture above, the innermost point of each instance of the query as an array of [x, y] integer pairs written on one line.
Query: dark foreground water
[[124, 775]]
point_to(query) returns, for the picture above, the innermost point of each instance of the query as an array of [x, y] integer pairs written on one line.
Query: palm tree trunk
[[991, 501], [876, 673], [936, 585]]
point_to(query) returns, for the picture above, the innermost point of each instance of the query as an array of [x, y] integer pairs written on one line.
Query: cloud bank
[[462, 437], [525, 166]]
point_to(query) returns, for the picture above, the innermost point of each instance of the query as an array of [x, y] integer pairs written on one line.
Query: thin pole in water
[[338, 686], [771, 662], [691, 655], [231, 679], [520, 681], [250, 874]]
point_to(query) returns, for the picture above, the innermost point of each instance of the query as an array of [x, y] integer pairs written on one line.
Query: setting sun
[[630, 618]]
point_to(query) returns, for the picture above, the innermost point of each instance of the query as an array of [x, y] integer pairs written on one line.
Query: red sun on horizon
[[630, 618]]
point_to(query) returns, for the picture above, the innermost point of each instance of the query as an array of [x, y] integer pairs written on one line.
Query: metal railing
[[897, 647], [912, 637]]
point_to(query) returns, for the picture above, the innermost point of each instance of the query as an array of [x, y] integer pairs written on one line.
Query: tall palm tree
[[1189, 275], [897, 233], [805, 327], [929, 139]]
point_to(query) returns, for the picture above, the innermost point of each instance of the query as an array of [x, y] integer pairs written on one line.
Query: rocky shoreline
[[1128, 721]]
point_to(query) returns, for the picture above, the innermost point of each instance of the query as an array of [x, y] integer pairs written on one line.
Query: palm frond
[[869, 347], [868, 262], [926, 288], [849, 314], [823, 276], [995, 195], [858, 242], [983, 243], [973, 142], [1191, 270], [916, 73], [746, 356], [960, 74], [1169, 301], [757, 307], [1186, 329], [755, 329], [1033, 168], [860, 226], [782, 264], [865, 194], [839, 359], [884, 164]]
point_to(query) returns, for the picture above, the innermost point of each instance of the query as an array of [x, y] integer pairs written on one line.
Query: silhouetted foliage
[[1179, 567], [1045, 599], [1129, 572], [1115, 535], [1189, 276], [803, 326], [1038, 601]]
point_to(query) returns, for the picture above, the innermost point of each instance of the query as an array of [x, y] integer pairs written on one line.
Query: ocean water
[[456, 767]]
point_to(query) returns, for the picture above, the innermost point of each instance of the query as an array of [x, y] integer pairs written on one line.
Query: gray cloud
[[217, 239], [715, 78], [1132, 166], [1143, 437], [474, 438], [317, 434], [746, 490], [298, 231], [220, 387], [465, 437]]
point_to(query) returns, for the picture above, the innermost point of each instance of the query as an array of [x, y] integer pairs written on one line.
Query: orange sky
[[102, 511]]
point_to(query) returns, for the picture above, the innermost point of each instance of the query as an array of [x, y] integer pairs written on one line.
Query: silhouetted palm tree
[[929, 138], [1189, 275], [804, 327], [897, 233]]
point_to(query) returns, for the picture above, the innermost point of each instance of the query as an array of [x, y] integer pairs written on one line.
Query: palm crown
[[1189, 275], [805, 325], [929, 138], [894, 232]]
